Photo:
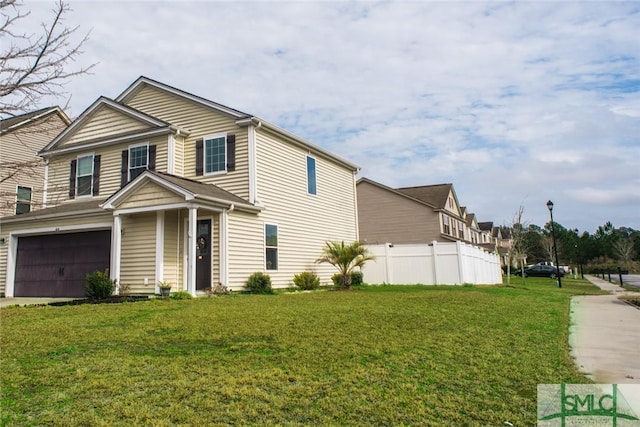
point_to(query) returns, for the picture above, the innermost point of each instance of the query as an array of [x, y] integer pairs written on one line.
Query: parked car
[[543, 271]]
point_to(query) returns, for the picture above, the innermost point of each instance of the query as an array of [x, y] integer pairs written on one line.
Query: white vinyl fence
[[432, 264]]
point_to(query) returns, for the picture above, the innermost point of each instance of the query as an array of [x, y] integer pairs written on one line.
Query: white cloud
[[514, 103]]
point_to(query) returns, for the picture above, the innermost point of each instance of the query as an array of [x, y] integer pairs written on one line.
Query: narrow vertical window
[[271, 246], [84, 176], [138, 160], [445, 221], [311, 176], [215, 155], [461, 230], [23, 200]]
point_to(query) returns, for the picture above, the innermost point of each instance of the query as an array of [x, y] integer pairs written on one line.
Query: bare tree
[[623, 248], [33, 66], [519, 245]]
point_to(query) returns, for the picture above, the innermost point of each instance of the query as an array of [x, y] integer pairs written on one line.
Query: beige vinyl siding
[[246, 247], [385, 217], [22, 145], [138, 258], [305, 222], [151, 194], [200, 121], [173, 249], [110, 166], [104, 122], [45, 227]]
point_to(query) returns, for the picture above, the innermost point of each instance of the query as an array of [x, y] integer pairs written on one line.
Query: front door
[[203, 254]]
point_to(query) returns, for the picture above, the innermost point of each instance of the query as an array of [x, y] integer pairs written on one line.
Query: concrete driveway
[[605, 336]]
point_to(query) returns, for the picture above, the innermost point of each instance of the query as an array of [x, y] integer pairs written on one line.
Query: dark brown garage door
[[55, 265]]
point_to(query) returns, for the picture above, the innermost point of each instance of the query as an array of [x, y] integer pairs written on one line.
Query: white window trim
[[264, 242], [93, 157], [23, 201], [143, 144], [306, 166], [204, 153]]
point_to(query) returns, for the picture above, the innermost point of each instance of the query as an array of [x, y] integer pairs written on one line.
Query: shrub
[[259, 283], [99, 285], [307, 280], [356, 278], [181, 295]]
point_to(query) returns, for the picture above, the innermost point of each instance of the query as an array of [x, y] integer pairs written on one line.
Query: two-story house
[[163, 185], [22, 171], [409, 215]]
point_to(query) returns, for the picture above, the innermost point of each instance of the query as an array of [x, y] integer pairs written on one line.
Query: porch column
[[159, 249], [224, 245], [116, 248], [191, 252]]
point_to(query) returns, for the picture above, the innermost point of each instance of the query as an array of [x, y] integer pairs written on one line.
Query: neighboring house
[[474, 232], [495, 238], [22, 171], [162, 185], [409, 215]]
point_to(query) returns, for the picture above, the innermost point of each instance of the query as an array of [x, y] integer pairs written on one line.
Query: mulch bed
[[110, 300]]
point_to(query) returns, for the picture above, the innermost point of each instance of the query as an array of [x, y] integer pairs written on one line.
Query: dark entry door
[[203, 254], [55, 265]]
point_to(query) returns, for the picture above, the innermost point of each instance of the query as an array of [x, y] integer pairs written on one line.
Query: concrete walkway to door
[[24, 301], [605, 335]]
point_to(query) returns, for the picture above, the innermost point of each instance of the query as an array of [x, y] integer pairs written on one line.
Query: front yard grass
[[387, 355]]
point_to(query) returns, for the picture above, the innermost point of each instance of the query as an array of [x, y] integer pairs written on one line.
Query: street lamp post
[[555, 248]]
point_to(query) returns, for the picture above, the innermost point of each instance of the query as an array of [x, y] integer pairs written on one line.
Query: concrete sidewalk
[[605, 336]]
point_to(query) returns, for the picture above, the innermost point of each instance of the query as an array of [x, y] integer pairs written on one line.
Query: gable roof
[[471, 217], [101, 102], [485, 226], [394, 191], [191, 190], [242, 118], [436, 194], [12, 123]]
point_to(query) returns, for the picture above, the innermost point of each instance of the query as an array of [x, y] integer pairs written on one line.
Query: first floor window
[[271, 246], [84, 176], [138, 160], [23, 200], [447, 227], [215, 155]]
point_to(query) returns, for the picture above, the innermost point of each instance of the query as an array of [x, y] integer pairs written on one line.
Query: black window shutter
[[231, 153], [152, 158], [72, 179], [124, 170], [96, 175], [199, 156]]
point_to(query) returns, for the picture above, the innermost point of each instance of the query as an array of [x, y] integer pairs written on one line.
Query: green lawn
[[388, 355]]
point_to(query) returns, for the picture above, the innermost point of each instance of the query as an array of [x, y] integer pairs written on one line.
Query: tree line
[[608, 247]]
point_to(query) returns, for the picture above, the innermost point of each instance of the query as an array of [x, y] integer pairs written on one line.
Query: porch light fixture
[[553, 236]]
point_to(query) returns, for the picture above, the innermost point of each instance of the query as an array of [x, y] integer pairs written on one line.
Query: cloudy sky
[[513, 103]]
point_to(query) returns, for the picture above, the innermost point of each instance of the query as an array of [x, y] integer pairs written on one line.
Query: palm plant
[[345, 258]]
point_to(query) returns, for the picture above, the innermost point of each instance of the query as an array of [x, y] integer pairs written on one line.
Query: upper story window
[[135, 160], [138, 160], [311, 176], [446, 226], [451, 202], [461, 230], [215, 154], [84, 176], [23, 200]]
